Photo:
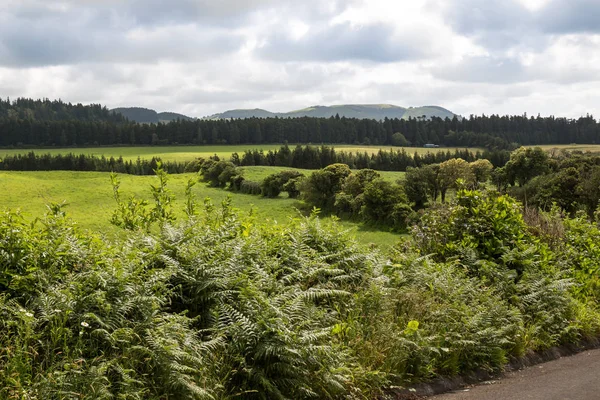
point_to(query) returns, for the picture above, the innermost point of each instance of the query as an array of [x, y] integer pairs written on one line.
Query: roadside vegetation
[[204, 302]]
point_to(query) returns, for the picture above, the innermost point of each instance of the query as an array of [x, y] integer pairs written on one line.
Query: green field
[[90, 201], [570, 147], [188, 153]]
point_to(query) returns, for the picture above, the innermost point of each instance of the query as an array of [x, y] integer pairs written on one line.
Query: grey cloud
[[344, 42], [484, 69], [570, 16], [221, 12], [72, 37], [475, 16], [499, 25]]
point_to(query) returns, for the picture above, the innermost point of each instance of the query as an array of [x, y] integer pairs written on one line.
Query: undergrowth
[[222, 306]]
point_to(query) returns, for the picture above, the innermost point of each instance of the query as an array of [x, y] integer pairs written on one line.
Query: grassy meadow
[[570, 147], [90, 201], [89, 194], [188, 153]]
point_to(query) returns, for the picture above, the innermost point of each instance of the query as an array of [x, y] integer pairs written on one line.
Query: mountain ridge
[[359, 111], [148, 116]]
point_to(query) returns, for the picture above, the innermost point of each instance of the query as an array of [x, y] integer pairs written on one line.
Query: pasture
[[90, 202], [188, 153], [570, 147]]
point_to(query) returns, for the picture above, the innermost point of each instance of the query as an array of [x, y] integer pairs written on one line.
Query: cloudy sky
[[199, 57]]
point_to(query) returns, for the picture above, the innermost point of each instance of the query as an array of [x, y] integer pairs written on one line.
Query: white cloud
[[199, 57]]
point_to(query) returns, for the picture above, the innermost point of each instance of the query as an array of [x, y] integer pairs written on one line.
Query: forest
[[27, 122]]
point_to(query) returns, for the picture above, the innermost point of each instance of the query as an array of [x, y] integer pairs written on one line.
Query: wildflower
[[85, 324], [29, 314], [80, 333]]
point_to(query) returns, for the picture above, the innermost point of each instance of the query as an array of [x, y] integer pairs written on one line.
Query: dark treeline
[[313, 157], [55, 110], [26, 122], [82, 162], [305, 157]]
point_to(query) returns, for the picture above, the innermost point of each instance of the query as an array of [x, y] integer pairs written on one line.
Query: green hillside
[[242, 113], [171, 116], [427, 112], [360, 111], [148, 116]]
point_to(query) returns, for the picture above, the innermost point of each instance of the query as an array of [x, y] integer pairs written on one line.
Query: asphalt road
[[575, 377]]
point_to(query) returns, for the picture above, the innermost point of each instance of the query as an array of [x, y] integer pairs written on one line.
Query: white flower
[[85, 324], [80, 333], [29, 314]]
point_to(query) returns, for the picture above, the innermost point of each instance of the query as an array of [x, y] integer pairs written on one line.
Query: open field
[[188, 153], [90, 201], [570, 147]]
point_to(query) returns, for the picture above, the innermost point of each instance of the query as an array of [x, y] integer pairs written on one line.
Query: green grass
[[90, 201], [570, 147], [188, 153]]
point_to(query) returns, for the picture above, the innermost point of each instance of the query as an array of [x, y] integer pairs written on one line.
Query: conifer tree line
[[305, 157], [82, 162], [26, 122], [313, 157]]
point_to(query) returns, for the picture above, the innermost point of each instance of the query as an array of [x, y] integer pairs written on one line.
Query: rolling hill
[[361, 111], [146, 115]]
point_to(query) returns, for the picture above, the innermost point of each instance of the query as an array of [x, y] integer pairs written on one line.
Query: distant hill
[[361, 111], [235, 114], [427, 112], [146, 115], [171, 116]]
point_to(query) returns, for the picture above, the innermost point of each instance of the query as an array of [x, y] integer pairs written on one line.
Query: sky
[[200, 57]]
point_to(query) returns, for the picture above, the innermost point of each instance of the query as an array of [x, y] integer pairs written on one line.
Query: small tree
[[399, 139], [384, 203], [320, 188], [482, 170], [451, 171]]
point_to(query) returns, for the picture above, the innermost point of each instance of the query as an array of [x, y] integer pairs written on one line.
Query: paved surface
[[570, 378]]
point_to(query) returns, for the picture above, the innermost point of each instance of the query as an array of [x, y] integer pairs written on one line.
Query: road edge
[[448, 384]]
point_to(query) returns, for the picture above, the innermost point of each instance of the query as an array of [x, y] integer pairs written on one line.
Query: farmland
[[90, 202], [570, 147]]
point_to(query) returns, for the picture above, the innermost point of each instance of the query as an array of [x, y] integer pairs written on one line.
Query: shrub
[[251, 187]]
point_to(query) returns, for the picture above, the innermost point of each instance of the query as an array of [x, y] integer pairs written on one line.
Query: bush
[[385, 203], [250, 187], [274, 184], [320, 188]]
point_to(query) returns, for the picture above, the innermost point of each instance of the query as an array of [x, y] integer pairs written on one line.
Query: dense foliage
[[307, 157], [82, 162], [313, 157], [45, 123], [569, 180], [222, 306]]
